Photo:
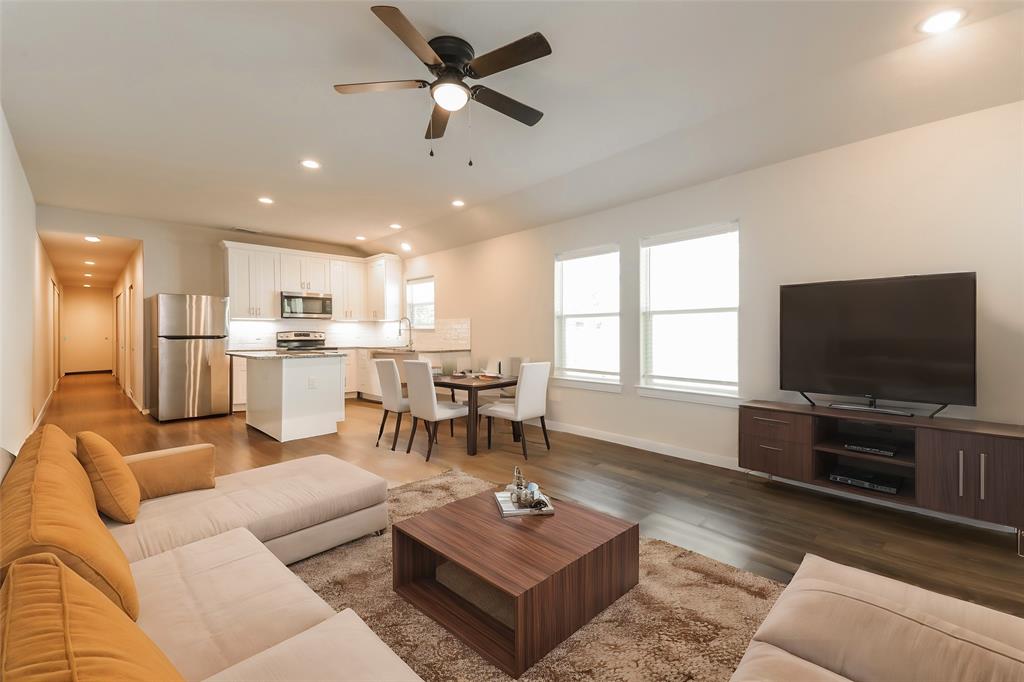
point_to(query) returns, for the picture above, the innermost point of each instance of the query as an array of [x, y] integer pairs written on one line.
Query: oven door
[[309, 305]]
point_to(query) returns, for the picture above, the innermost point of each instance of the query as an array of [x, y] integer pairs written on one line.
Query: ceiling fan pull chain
[[469, 115], [431, 125]]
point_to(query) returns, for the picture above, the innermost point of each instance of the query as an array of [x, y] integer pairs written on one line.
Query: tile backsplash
[[262, 334]]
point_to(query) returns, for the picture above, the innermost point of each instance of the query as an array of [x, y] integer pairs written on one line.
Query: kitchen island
[[294, 395]]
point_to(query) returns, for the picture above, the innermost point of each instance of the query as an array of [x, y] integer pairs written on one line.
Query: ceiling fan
[[451, 60]]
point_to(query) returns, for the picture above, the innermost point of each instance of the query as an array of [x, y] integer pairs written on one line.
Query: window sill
[[690, 396], [588, 384]]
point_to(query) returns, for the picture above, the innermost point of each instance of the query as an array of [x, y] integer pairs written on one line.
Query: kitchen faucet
[[405, 319]]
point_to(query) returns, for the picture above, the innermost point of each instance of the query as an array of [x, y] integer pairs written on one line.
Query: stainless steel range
[[304, 343]]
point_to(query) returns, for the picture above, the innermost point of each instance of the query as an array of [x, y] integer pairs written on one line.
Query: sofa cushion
[[340, 649], [59, 627], [47, 505], [864, 634], [764, 662], [213, 603], [174, 470], [270, 501], [113, 484]]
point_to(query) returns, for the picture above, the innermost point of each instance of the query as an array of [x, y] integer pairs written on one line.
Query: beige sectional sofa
[[834, 622], [201, 574]]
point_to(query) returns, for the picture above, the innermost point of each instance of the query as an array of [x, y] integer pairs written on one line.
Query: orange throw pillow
[[113, 483], [59, 627]]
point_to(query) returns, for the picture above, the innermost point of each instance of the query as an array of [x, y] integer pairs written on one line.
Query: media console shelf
[[962, 467]]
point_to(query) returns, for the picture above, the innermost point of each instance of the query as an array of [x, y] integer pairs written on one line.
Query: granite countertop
[[273, 355]]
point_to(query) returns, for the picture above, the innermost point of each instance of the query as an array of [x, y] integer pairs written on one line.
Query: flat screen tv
[[899, 338]]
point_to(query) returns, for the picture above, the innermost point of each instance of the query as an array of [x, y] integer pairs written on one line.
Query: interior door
[[119, 339], [947, 471]]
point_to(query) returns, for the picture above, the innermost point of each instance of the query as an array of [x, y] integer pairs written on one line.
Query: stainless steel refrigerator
[[190, 375]]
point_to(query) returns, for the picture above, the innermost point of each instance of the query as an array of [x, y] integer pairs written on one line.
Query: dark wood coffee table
[[557, 572]]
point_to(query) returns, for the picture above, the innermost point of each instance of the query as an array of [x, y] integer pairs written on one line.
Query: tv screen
[[898, 338]]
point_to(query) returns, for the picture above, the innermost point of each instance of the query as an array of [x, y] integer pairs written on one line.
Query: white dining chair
[[511, 368], [530, 403], [423, 403], [391, 394]]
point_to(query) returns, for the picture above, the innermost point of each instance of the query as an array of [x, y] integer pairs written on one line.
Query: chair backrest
[[422, 398], [390, 384], [532, 390]]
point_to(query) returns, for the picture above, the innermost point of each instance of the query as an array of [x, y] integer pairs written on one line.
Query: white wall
[[18, 243], [941, 197], [88, 329]]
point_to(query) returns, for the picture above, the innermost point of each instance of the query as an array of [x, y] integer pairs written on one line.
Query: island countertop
[[274, 355]]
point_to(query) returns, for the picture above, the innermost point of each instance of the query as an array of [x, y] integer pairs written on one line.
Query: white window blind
[[587, 315], [419, 302], [690, 310]]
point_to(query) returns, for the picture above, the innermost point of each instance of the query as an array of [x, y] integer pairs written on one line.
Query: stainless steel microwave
[[305, 304]]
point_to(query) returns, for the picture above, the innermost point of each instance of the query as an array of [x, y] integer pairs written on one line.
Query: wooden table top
[[466, 383], [512, 554]]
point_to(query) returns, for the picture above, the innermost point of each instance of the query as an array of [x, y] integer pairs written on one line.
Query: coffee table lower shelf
[[482, 632]]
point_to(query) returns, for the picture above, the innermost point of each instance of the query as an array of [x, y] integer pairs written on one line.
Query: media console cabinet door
[[977, 476]]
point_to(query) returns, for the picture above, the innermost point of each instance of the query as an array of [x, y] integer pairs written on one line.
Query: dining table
[[472, 385]]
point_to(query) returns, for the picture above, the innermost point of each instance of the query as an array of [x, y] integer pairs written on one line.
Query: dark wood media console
[[967, 468]]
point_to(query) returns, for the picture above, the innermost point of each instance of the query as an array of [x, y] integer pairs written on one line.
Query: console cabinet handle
[[983, 475], [769, 447], [961, 473], [772, 421]]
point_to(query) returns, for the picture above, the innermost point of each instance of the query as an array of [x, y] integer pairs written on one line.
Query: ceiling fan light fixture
[[450, 95]]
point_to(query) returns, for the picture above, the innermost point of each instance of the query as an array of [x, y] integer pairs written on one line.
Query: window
[[587, 315], [690, 310], [419, 302]]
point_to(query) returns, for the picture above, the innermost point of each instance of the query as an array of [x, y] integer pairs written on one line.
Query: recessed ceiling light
[[265, 200], [395, 226], [88, 274], [458, 203], [90, 262], [943, 21], [90, 238], [87, 286], [360, 238], [310, 163], [406, 247]]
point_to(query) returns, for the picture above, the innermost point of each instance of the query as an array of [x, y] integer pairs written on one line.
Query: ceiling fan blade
[[407, 33], [438, 122], [379, 86], [506, 105], [533, 46]]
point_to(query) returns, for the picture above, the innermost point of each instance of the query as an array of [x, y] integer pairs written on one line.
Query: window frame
[[409, 304], [580, 377], [652, 385]]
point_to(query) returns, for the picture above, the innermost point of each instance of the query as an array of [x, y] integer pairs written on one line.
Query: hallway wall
[[87, 329]]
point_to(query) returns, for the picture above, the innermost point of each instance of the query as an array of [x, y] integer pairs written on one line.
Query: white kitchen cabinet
[[351, 373], [305, 273], [384, 288], [238, 384], [348, 289], [368, 382], [253, 284]]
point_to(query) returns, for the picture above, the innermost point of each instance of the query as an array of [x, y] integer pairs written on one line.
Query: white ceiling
[[188, 111], [68, 253]]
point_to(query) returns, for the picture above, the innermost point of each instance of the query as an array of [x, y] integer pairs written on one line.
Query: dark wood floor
[[743, 520]]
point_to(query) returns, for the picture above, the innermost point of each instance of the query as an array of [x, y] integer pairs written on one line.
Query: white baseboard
[[644, 444], [42, 411]]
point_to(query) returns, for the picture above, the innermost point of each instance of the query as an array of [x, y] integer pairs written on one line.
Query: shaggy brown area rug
[[689, 618]]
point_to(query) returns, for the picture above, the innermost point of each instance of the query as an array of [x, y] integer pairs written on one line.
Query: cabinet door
[[239, 289], [338, 293], [375, 276], [265, 293], [291, 273], [945, 478], [355, 290], [392, 289], [1000, 481], [351, 373], [316, 274], [238, 382]]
